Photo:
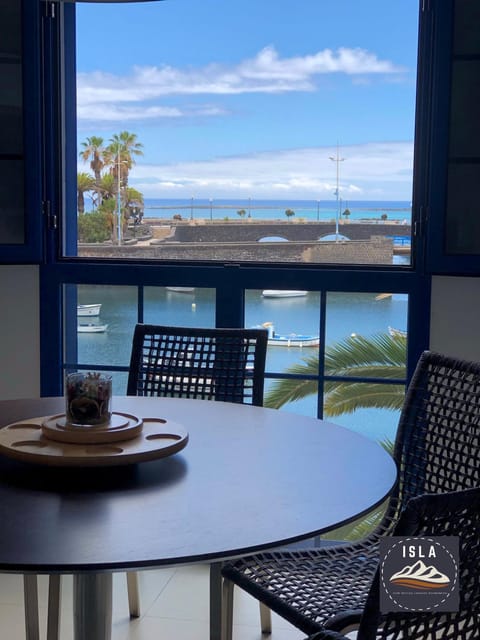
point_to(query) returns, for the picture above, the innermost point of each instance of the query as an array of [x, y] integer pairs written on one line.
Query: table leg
[[216, 601], [30, 588], [92, 602]]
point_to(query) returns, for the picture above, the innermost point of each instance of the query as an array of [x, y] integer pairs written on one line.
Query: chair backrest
[[438, 440], [448, 514], [207, 364]]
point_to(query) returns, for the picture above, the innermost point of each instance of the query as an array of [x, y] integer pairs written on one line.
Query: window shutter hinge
[[50, 217]]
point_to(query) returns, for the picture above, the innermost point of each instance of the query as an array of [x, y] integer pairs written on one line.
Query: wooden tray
[[26, 441], [122, 426]]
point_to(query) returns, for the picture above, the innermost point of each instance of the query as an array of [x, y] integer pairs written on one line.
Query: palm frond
[[378, 356]]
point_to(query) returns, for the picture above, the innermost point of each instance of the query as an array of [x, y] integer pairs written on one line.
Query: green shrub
[[94, 227]]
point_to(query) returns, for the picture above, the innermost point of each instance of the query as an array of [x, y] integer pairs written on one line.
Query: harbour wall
[[299, 231], [377, 250]]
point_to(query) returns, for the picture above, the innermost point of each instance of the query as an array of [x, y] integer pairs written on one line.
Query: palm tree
[[133, 197], [120, 154], [379, 356], [85, 183], [108, 187], [93, 149]]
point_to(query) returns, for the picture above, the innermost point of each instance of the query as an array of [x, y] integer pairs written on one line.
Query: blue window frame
[[230, 281]]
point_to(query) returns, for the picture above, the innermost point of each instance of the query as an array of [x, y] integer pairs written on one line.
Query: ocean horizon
[[227, 208]]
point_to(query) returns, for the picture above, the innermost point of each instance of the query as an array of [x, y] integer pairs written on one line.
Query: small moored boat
[[90, 327], [289, 339], [88, 309], [283, 293], [181, 289]]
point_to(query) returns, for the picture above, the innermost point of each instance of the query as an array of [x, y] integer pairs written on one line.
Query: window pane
[[292, 145], [366, 339], [180, 306], [100, 320]]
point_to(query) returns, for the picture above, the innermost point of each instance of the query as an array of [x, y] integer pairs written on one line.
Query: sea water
[[322, 210], [347, 314]]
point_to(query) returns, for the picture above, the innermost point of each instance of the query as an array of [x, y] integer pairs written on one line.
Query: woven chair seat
[[437, 449], [309, 588], [430, 515]]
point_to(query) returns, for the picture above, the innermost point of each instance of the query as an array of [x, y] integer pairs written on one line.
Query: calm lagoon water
[[347, 313]]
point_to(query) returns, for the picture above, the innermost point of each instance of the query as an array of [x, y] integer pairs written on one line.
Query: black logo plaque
[[419, 574]]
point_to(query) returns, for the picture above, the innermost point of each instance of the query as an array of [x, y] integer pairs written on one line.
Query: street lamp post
[[119, 200], [318, 210], [191, 209], [119, 204], [337, 160], [211, 207]]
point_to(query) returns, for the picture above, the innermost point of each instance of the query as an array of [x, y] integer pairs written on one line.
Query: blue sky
[[249, 99]]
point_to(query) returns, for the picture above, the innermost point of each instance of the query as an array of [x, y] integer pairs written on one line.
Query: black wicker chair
[[436, 450], [206, 364], [449, 514], [209, 364]]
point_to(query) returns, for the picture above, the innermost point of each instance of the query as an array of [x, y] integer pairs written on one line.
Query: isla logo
[[419, 576], [428, 583]]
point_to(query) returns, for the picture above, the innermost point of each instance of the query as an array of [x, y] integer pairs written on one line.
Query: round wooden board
[[26, 441], [122, 426]]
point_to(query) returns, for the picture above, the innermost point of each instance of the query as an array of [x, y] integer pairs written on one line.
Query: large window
[[263, 133], [240, 168]]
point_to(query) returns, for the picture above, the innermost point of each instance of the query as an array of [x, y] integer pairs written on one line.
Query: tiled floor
[[174, 607]]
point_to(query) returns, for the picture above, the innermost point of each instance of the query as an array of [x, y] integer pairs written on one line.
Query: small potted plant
[[88, 398]]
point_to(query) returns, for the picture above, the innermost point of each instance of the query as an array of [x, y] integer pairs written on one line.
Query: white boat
[[283, 293], [397, 333], [181, 289], [90, 327], [88, 309], [289, 339]]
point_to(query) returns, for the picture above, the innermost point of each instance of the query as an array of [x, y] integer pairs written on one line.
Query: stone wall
[[376, 251], [201, 231]]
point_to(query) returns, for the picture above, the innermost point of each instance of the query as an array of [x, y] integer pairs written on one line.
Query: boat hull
[[294, 341], [279, 293], [181, 289], [85, 310], [92, 328]]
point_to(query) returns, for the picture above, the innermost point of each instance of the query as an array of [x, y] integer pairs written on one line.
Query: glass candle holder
[[88, 398]]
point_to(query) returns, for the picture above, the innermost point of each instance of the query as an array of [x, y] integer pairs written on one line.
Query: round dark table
[[249, 479]]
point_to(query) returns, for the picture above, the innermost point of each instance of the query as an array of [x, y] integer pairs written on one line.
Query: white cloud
[[265, 73], [110, 113], [370, 171]]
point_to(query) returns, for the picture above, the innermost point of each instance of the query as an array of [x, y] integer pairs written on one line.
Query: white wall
[[19, 332], [455, 317]]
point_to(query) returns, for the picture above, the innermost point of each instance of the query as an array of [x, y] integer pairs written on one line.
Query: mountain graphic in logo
[[419, 576]]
